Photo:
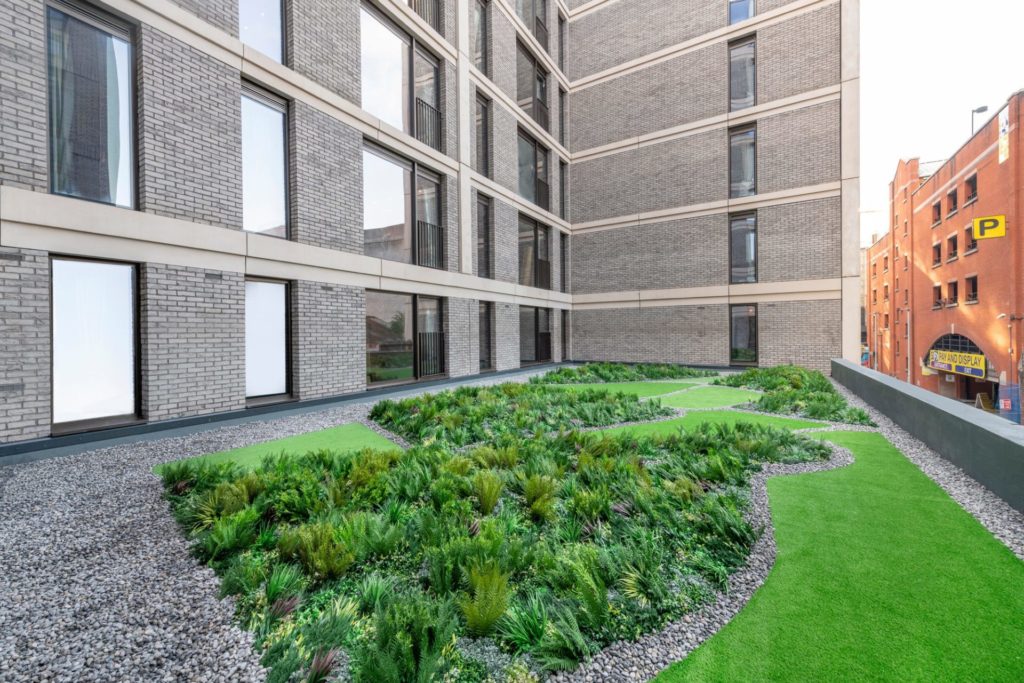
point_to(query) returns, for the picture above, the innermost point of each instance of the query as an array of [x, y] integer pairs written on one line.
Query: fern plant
[[488, 599], [487, 486]]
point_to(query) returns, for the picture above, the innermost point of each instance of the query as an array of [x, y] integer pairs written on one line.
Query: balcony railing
[[540, 113], [543, 195], [430, 348], [972, 297], [540, 30], [972, 245], [430, 11], [429, 245], [428, 124]]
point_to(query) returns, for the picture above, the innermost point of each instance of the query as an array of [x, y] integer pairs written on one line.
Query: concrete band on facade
[[185, 233]]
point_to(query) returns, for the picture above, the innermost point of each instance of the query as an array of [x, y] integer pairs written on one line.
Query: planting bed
[[789, 389]]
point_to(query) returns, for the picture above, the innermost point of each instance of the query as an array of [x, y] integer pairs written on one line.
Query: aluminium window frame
[[537, 71], [537, 227], [536, 334], [539, 150], [286, 42], [757, 337], [110, 421], [757, 251], [490, 307], [289, 377], [485, 58], [441, 310], [733, 132], [484, 131], [119, 28], [728, 12], [750, 39], [260, 94], [488, 202]]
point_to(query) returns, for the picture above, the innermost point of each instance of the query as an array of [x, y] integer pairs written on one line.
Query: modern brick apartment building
[[944, 299], [208, 206]]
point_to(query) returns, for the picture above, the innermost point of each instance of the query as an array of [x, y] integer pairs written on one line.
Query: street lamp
[[980, 110]]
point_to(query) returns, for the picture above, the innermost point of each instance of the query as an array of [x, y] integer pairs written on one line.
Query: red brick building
[[944, 305]]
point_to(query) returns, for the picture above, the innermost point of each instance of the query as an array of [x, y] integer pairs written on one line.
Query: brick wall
[[804, 333], [24, 344], [328, 339], [800, 241], [506, 331], [462, 336], [221, 13], [798, 148], [798, 55], [23, 134], [323, 44], [192, 327]]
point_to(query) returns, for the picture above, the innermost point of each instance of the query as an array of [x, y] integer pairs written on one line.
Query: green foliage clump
[[796, 390], [595, 373]]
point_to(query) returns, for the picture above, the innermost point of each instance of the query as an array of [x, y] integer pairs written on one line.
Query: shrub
[[526, 622], [488, 600], [487, 486], [792, 389], [593, 373]]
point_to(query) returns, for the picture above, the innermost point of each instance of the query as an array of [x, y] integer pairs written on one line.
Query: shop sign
[[970, 364], [989, 227]]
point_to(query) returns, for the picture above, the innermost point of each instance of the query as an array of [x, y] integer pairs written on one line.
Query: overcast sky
[[924, 67]]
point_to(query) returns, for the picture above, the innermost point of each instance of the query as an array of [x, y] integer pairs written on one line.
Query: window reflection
[[386, 216], [259, 26], [742, 163], [264, 188], [743, 249], [743, 334], [741, 76], [385, 71], [389, 337], [266, 338]]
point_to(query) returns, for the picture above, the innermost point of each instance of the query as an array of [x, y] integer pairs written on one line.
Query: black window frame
[[757, 337], [936, 254], [103, 21], [110, 421], [937, 213], [735, 218], [566, 325], [482, 133], [733, 133], [563, 256], [485, 237], [537, 261], [484, 7], [563, 189], [289, 393], [952, 202], [563, 102], [537, 336], [970, 241], [417, 377], [728, 11], [541, 186], [562, 35], [538, 74], [971, 189], [936, 296], [285, 43], [971, 289], [737, 43], [541, 33], [952, 293], [255, 92], [952, 247], [485, 310]]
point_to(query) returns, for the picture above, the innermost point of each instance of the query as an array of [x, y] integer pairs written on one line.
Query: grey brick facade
[[23, 136], [328, 339]]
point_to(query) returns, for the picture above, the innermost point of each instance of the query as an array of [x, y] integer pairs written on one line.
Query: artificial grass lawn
[[641, 389], [880, 575], [711, 397], [730, 417], [347, 437]]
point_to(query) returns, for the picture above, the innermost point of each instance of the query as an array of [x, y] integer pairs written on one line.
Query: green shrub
[[526, 622], [488, 599], [792, 389], [487, 487], [593, 373]]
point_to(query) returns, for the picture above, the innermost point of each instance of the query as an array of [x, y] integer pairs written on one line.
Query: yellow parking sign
[[990, 226]]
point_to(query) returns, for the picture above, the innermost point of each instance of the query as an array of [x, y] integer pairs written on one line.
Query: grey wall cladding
[[192, 325], [190, 158], [798, 55], [697, 335], [506, 332], [462, 336], [803, 333], [801, 241], [324, 44], [23, 136], [221, 13], [24, 344], [328, 339], [798, 148]]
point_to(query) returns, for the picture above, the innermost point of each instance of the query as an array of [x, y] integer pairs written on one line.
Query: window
[[534, 13], [906, 262], [259, 26], [740, 10], [404, 337], [479, 33], [874, 296], [885, 264], [563, 254], [561, 42], [906, 227], [482, 127], [534, 253], [565, 335], [264, 159], [936, 255], [971, 189], [533, 171], [951, 293], [397, 227], [743, 248], [936, 296], [532, 86], [743, 334], [388, 57], [885, 321], [951, 251], [534, 335], [742, 75], [484, 237], [563, 189], [429, 11], [885, 292], [91, 99], [486, 336], [936, 213], [94, 343], [971, 243], [951, 203], [874, 269], [742, 162], [266, 339], [972, 289], [563, 115]]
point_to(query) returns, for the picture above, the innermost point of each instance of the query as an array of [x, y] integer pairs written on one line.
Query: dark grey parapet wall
[[988, 448]]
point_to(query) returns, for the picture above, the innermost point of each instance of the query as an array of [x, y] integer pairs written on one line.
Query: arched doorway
[[965, 372]]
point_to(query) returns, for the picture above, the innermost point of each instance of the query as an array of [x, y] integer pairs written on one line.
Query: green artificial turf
[[711, 397], [730, 417], [879, 576], [347, 437], [641, 389]]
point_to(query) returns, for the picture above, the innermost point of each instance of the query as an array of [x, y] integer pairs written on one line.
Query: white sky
[[924, 66]]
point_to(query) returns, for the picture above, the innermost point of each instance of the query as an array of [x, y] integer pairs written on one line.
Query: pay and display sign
[[969, 364]]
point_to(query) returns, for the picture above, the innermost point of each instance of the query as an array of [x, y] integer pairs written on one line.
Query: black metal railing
[[430, 11], [428, 124], [540, 31], [430, 352], [972, 244], [972, 297], [429, 245], [543, 194], [543, 346], [952, 255], [543, 279], [540, 113]]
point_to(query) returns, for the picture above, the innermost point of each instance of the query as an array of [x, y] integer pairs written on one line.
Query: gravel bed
[[1001, 520], [644, 658]]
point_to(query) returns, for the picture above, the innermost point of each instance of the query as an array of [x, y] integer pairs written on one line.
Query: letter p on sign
[[990, 226]]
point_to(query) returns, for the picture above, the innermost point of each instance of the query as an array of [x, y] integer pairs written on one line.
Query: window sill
[[936, 307], [969, 302], [951, 214], [258, 401], [936, 223], [970, 201], [952, 258], [937, 264], [952, 305], [972, 250]]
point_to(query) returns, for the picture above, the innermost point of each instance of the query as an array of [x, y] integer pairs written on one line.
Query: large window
[[266, 339], [743, 248], [484, 237], [563, 254], [532, 86], [561, 41], [743, 334], [259, 26], [91, 102], [534, 14], [395, 227], [264, 160], [563, 116], [533, 171], [740, 10], [742, 162], [94, 343], [404, 337], [563, 189], [478, 35], [534, 253], [481, 127], [534, 335], [486, 335], [399, 79], [565, 335], [742, 75]]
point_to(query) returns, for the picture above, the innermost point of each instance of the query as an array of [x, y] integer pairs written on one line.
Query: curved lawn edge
[[647, 656]]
